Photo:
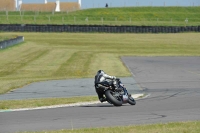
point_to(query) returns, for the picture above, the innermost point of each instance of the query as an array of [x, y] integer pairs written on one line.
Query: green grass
[[175, 127], [150, 16], [50, 56], [2, 38], [32, 103], [6, 37]]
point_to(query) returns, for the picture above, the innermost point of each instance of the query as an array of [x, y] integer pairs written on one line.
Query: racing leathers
[[102, 78]]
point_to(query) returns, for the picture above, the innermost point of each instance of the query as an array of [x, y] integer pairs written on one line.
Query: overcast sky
[[122, 3]]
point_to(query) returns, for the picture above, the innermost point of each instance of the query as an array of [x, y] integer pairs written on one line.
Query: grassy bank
[[47, 56], [179, 127], [165, 16]]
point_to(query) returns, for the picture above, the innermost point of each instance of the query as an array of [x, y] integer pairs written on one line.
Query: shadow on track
[[103, 105]]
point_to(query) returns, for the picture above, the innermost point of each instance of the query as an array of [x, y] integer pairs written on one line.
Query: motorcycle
[[118, 96]]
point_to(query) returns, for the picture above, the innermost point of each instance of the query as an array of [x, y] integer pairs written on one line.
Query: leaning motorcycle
[[119, 96]]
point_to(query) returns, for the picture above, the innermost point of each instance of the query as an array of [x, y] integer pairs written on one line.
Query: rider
[[100, 78]]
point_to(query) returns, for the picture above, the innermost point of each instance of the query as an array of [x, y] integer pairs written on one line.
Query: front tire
[[131, 101], [116, 101]]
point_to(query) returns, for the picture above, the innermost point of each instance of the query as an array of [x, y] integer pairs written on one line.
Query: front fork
[[125, 96]]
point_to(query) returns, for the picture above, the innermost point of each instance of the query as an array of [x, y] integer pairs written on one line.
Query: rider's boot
[[103, 99]]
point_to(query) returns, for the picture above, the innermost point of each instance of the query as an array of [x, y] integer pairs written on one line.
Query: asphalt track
[[173, 85]]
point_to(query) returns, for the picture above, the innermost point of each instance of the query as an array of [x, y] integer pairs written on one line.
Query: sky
[[125, 3]]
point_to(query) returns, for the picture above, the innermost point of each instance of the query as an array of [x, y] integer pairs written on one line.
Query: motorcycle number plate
[[125, 98]]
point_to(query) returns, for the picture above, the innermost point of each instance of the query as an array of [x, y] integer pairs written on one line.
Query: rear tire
[[131, 101], [116, 101]]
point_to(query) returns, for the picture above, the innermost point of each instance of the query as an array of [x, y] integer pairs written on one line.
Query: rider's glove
[[114, 77]]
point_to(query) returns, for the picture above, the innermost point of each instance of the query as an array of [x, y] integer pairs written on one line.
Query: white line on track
[[135, 96]]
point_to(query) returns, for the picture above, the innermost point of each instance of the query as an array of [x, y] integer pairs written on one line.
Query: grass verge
[[32, 103], [6, 37], [175, 127]]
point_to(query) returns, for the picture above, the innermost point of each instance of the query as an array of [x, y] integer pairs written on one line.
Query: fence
[[49, 19], [98, 28], [11, 42]]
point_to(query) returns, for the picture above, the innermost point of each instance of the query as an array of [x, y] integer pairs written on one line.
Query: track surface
[[172, 82]]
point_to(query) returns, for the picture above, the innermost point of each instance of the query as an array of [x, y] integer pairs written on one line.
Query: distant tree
[[106, 5]]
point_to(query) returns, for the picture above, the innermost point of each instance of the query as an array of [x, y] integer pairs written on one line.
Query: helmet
[[100, 71]]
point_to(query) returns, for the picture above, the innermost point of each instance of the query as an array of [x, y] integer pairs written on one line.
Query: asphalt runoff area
[[173, 85], [64, 88]]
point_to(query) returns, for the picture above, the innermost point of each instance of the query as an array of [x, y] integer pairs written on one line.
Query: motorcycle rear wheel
[[116, 101], [131, 101]]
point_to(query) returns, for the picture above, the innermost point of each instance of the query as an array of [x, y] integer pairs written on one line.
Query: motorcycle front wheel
[[115, 100], [131, 101]]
